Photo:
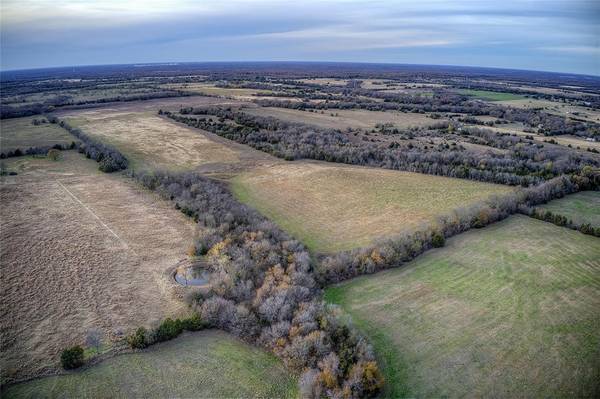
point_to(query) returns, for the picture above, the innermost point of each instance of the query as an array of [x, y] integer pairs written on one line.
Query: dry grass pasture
[[80, 250], [343, 119], [507, 311], [22, 133], [206, 364], [151, 141], [332, 207]]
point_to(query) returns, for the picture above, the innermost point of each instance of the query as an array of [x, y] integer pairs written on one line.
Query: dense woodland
[[263, 290]]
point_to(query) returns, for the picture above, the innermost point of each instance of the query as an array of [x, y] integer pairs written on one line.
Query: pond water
[[191, 276]]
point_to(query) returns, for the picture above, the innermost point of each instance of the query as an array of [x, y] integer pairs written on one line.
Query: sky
[[559, 35]]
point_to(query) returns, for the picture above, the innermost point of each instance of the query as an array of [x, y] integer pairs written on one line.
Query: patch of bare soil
[[80, 250]]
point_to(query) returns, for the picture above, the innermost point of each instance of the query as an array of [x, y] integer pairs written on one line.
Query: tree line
[[524, 164], [108, 157]]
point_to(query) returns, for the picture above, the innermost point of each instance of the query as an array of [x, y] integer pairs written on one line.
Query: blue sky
[[559, 36]]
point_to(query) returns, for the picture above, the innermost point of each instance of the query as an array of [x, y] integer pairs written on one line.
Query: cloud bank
[[528, 34]]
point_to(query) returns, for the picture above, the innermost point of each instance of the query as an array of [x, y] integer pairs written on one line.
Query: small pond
[[194, 275]]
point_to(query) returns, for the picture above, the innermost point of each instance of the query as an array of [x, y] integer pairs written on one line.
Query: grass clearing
[[582, 207], [343, 119], [80, 249], [332, 207], [22, 133], [491, 95], [207, 364], [507, 311], [150, 141]]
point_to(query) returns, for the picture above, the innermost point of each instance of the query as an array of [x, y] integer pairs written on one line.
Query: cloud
[[555, 35]]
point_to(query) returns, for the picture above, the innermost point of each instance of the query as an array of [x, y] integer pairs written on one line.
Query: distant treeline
[[524, 164], [440, 102], [264, 291], [18, 111]]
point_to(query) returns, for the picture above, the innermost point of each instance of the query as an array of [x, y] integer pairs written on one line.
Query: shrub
[[53, 154], [438, 240], [139, 339], [72, 358], [168, 329], [193, 323]]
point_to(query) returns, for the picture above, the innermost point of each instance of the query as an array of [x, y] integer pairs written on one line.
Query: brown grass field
[[332, 207], [151, 141], [80, 250], [22, 133], [343, 119]]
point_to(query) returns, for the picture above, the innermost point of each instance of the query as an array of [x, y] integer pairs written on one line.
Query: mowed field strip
[[332, 207], [507, 311], [22, 133], [154, 142], [343, 119], [81, 250], [582, 207], [206, 364]]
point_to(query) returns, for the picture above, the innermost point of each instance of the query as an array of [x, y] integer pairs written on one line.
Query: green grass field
[[491, 95], [582, 207], [333, 207], [507, 311], [208, 364], [22, 133]]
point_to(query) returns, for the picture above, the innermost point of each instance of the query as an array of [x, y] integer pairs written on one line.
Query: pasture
[[490, 95], [343, 119], [22, 133], [507, 311], [582, 207], [150, 142], [81, 250], [333, 207], [208, 364]]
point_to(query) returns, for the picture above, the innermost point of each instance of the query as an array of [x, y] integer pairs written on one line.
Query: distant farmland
[[342, 119], [491, 95], [335, 207], [507, 311]]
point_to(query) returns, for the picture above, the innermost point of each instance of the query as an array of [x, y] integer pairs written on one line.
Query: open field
[[151, 141], [332, 207], [22, 133], [80, 250], [207, 364], [491, 95], [507, 311], [343, 119], [582, 207]]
